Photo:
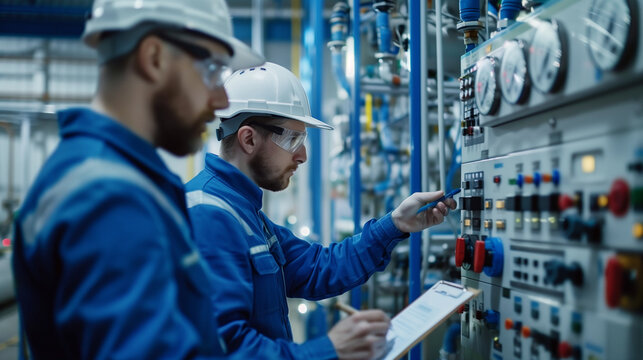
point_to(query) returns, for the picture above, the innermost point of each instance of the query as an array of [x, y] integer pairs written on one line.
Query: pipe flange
[[339, 44], [384, 56], [531, 4], [470, 25], [384, 5], [505, 23]]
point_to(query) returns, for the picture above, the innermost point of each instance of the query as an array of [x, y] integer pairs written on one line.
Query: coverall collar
[[234, 179], [85, 121]]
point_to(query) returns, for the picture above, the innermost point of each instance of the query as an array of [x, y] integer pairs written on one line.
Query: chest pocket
[[266, 257], [262, 260]]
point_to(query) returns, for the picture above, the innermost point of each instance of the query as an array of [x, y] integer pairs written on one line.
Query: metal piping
[[356, 184], [257, 26], [417, 11], [316, 109], [440, 78]]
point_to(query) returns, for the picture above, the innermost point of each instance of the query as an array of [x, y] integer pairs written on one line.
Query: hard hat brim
[[243, 56], [308, 120]]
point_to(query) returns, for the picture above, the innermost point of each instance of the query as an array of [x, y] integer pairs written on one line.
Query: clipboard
[[423, 316]]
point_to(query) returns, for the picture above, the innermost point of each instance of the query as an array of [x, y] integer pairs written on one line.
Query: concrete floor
[[9, 332]]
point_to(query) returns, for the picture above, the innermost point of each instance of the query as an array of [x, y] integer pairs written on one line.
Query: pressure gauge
[[513, 73], [486, 88], [547, 57], [610, 32]]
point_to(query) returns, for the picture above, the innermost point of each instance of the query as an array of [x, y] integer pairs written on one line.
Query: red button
[[525, 331], [565, 202], [613, 282], [619, 197], [564, 350], [459, 251], [479, 256], [509, 324]]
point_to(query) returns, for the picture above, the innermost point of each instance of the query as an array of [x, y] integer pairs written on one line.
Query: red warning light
[[6, 242]]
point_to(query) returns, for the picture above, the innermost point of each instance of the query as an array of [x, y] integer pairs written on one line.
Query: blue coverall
[[103, 259], [255, 272]]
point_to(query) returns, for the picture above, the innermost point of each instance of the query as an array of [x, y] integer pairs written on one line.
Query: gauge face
[[547, 57], [513, 73], [486, 88], [609, 32]]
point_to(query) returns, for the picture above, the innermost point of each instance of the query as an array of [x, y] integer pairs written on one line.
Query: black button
[[549, 202], [476, 223], [476, 203], [478, 184], [466, 185], [517, 274]]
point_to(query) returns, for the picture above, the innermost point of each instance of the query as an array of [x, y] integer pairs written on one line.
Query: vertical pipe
[[295, 33], [317, 19], [25, 136], [356, 184], [257, 26], [440, 64], [418, 25]]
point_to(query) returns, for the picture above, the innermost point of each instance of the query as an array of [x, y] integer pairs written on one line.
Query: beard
[[265, 177], [173, 132]]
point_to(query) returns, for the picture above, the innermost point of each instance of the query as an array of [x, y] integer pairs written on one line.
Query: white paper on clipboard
[[423, 315]]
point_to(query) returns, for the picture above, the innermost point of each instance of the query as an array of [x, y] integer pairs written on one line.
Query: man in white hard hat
[[104, 260], [257, 264]]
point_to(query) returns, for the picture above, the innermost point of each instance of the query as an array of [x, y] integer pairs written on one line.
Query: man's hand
[[361, 335], [406, 218]]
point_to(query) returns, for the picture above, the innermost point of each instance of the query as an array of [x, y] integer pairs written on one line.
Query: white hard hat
[[268, 89], [207, 17]]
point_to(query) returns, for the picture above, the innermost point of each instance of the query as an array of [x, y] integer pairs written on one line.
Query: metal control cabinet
[[552, 204]]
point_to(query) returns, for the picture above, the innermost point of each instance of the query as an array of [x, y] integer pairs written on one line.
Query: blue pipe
[[340, 74], [416, 92], [356, 183], [469, 10], [384, 33], [510, 9], [317, 9], [450, 342]]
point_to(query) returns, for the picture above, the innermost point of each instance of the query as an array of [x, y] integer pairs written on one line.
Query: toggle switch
[[488, 257], [574, 227], [557, 272]]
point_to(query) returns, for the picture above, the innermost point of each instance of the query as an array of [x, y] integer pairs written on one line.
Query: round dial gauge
[[513, 73], [609, 33], [486, 88], [547, 58]]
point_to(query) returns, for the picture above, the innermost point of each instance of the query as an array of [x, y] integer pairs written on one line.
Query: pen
[[345, 308]]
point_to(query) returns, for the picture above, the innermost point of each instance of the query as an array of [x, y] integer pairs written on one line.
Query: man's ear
[[151, 59], [249, 139]]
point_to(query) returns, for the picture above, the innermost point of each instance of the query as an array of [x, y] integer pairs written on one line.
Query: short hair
[[228, 141]]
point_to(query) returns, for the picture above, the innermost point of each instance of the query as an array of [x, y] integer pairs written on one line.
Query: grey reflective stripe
[[85, 173], [198, 197], [272, 240], [258, 249]]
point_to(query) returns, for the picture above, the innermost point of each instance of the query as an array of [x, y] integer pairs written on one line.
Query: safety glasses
[[287, 139], [213, 71]]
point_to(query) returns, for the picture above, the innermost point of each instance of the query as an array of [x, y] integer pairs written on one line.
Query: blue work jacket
[[257, 264], [104, 264]]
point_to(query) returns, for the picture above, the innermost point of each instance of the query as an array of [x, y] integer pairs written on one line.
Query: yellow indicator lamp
[[588, 164], [602, 201], [637, 230]]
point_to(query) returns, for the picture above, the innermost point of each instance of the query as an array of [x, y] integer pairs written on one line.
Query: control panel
[[552, 179]]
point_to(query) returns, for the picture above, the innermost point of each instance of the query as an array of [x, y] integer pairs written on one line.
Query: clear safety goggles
[[287, 139], [214, 71]]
